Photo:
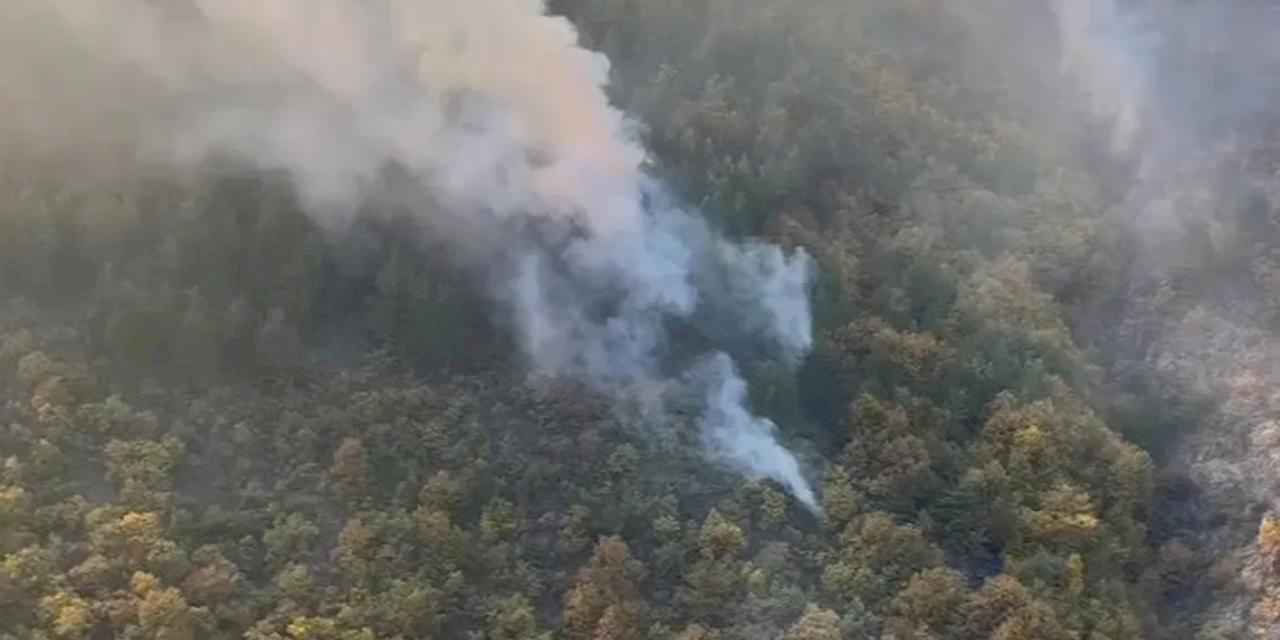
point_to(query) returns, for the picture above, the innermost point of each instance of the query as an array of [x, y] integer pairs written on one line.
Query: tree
[[716, 581], [441, 492], [67, 616], [605, 602], [815, 624], [350, 470], [514, 619], [1035, 622], [404, 608], [1066, 517], [720, 538], [876, 558], [356, 552], [930, 606], [15, 508], [136, 540], [144, 469], [1269, 541], [498, 521], [993, 604], [840, 501], [163, 614], [893, 462], [214, 580], [36, 367], [290, 538]]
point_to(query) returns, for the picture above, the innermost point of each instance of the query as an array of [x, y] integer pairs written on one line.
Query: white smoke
[[1098, 49], [490, 105], [742, 440]]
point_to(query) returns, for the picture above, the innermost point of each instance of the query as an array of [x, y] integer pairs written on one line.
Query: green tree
[[875, 558], [605, 601], [350, 470], [815, 624]]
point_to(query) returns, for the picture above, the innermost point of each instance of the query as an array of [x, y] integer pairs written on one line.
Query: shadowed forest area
[[1037, 406]]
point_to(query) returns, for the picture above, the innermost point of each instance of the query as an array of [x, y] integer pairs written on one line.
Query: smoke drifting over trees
[[495, 113]]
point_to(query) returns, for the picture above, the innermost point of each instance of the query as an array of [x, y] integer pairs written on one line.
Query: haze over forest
[[639, 320]]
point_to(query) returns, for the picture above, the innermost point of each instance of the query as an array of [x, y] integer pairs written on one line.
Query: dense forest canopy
[[639, 320]]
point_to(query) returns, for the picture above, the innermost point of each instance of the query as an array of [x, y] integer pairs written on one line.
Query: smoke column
[[1201, 99], [1098, 50], [494, 111]]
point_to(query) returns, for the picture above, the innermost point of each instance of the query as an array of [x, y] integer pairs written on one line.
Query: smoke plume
[[1097, 49], [499, 118], [1191, 94]]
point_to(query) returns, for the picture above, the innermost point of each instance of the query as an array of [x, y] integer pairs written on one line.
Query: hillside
[[801, 320]]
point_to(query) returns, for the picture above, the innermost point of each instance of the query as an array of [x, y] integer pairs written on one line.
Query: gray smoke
[[1098, 49], [1207, 196], [1178, 76], [1189, 87], [494, 111]]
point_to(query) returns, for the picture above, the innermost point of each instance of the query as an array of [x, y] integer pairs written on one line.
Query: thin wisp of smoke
[[490, 105]]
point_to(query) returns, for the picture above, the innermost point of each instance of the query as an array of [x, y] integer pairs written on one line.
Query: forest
[[1027, 392]]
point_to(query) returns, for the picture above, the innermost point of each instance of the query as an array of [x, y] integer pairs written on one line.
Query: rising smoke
[[1190, 88], [494, 111], [1185, 86], [1098, 50]]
